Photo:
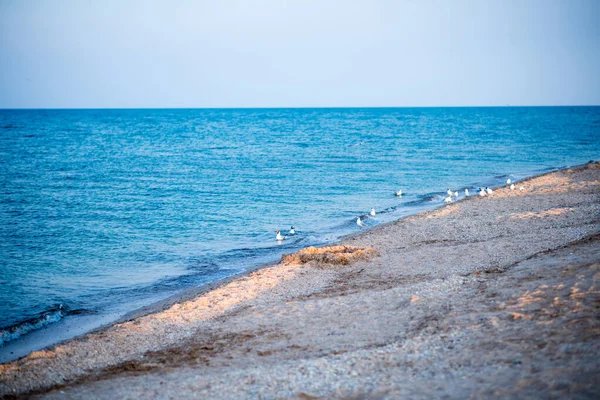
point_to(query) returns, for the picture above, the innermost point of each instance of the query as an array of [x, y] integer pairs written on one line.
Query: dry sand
[[487, 297]]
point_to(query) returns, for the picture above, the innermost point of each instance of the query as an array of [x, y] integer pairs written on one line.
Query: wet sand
[[487, 297]]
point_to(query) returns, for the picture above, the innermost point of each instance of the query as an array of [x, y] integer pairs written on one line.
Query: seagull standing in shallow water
[[508, 182], [466, 192], [359, 222], [292, 231], [448, 199], [372, 212], [399, 193], [279, 237]]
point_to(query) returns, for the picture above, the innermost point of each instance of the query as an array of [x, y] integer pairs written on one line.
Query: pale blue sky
[[294, 53]]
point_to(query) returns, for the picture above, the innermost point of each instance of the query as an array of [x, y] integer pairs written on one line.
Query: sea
[[106, 211]]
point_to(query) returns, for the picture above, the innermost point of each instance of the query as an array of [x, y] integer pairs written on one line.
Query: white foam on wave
[[16, 331]]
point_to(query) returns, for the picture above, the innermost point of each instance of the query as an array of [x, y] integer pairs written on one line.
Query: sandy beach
[[488, 297]]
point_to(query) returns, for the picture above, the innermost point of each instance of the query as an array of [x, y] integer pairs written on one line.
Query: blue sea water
[[104, 211]]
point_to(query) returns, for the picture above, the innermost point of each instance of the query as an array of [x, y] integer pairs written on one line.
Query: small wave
[[418, 202], [48, 317], [433, 198]]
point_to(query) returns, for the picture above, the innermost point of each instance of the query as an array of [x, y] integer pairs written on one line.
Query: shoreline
[[59, 336], [176, 307], [192, 292]]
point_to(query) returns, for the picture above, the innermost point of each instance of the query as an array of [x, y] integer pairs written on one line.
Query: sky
[[298, 53]]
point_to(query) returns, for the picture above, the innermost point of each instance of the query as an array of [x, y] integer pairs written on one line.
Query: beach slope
[[494, 296]]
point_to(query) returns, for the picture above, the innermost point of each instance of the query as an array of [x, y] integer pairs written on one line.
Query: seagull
[[466, 192], [372, 212], [481, 192], [279, 237], [359, 222], [521, 187], [449, 192], [512, 186], [448, 199], [292, 231], [488, 190], [399, 193], [508, 182], [456, 194]]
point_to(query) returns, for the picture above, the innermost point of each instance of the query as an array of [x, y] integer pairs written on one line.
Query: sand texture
[[489, 297]]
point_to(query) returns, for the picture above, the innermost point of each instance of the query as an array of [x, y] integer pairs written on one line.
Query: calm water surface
[[102, 211]]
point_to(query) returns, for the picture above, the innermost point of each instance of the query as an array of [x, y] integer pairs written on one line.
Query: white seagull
[[279, 237], [448, 199], [521, 187], [372, 212], [508, 182], [512, 186], [292, 231], [359, 222], [488, 190], [481, 192], [456, 194], [449, 192], [399, 193], [466, 192]]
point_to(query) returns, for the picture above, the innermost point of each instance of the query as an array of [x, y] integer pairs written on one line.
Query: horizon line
[[288, 108]]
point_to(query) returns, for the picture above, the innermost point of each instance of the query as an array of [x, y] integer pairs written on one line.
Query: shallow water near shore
[[104, 211]]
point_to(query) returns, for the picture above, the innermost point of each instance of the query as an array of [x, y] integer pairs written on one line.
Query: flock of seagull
[[482, 192]]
